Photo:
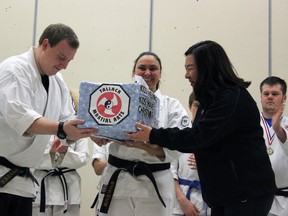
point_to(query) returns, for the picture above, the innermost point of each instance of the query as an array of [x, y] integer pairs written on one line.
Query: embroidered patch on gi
[[185, 121], [104, 189]]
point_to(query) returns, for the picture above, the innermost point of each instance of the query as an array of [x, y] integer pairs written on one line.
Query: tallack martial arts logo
[[109, 104]]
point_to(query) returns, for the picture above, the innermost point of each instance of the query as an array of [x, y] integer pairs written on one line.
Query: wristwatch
[[61, 133]]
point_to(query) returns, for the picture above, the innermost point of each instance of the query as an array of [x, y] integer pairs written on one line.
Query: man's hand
[[75, 133], [276, 123]]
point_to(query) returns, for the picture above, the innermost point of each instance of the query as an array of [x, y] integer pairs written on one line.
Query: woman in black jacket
[[227, 139]]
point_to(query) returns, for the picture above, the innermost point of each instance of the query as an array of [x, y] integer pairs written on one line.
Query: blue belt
[[192, 184]]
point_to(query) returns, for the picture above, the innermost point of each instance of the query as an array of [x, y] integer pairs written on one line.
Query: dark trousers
[[12, 205], [258, 206]]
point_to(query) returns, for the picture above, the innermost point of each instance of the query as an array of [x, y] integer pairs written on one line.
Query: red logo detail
[[109, 104]]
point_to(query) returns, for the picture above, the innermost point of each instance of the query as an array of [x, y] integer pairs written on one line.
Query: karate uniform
[[279, 161], [24, 99], [181, 170], [137, 194], [77, 156], [100, 152]]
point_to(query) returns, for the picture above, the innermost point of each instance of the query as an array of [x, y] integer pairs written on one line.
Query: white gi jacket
[[279, 161], [100, 152], [24, 99], [172, 114], [76, 157], [180, 169]]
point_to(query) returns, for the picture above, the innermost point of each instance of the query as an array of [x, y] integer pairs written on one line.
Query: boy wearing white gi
[[100, 157], [275, 127], [59, 179], [189, 199], [60, 189]]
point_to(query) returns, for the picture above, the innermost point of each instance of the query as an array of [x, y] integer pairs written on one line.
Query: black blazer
[[227, 140]]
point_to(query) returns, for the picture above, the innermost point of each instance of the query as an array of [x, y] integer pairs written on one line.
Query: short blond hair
[[75, 98]]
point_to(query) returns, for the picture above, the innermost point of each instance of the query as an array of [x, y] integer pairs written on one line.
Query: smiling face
[[149, 69], [191, 69], [271, 98], [50, 60]]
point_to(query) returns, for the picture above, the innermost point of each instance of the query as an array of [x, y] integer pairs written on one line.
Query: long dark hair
[[215, 70]]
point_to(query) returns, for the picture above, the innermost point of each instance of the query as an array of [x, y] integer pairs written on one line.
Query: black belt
[[134, 168], [55, 172], [282, 192], [15, 170]]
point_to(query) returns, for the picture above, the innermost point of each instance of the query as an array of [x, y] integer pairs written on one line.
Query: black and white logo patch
[[109, 104], [185, 121]]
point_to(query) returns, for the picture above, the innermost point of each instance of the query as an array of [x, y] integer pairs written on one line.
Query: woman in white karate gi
[[136, 195]]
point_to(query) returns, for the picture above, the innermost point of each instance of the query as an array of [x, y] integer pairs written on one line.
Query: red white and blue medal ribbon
[[270, 134]]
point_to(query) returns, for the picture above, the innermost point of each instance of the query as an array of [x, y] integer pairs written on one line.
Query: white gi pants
[[56, 210], [138, 207]]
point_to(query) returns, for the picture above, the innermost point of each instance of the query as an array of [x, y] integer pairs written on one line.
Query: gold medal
[[270, 151]]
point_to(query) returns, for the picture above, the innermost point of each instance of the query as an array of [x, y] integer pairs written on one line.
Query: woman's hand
[[142, 135]]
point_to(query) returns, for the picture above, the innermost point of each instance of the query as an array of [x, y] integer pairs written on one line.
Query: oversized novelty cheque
[[114, 108]]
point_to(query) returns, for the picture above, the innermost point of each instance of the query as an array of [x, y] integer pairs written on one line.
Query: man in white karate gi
[[275, 127], [35, 104]]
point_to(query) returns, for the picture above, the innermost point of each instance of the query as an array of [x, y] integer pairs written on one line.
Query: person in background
[[74, 93], [275, 127], [226, 138], [35, 104], [60, 188], [99, 162], [100, 158], [145, 184], [187, 185], [193, 105]]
